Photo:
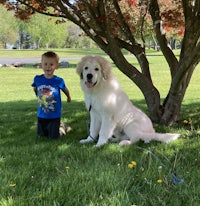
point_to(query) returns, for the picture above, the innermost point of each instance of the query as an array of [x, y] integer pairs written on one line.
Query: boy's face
[[49, 65]]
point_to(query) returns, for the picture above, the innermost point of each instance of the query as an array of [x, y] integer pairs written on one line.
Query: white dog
[[111, 112]]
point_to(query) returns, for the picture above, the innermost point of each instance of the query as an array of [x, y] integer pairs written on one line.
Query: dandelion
[[41, 196], [159, 181], [12, 185], [67, 168], [132, 164]]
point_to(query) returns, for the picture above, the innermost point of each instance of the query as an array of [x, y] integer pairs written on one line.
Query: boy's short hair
[[51, 54]]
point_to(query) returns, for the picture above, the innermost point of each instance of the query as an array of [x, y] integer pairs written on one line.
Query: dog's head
[[93, 70]]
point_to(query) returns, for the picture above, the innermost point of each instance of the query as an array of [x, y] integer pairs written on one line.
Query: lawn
[[42, 172], [37, 53]]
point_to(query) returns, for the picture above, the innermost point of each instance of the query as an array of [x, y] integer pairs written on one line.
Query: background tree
[[76, 38], [8, 26], [113, 25], [45, 32], [24, 40]]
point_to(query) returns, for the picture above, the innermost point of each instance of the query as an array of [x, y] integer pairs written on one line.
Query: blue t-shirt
[[49, 97]]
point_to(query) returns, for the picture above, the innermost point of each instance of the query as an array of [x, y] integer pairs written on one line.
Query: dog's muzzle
[[89, 82]]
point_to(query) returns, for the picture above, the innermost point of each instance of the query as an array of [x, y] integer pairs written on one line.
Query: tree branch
[[192, 19], [127, 32], [138, 51]]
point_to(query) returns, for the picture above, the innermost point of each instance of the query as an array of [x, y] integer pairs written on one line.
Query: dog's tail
[[147, 137], [161, 137]]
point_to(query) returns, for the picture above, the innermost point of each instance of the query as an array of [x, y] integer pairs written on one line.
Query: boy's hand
[[68, 99]]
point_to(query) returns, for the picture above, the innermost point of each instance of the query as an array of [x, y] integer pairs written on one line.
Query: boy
[[47, 88]]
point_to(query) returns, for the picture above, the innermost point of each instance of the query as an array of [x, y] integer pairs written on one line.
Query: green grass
[[63, 172], [37, 53]]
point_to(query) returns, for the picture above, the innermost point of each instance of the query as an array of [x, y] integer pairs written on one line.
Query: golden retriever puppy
[[111, 111]]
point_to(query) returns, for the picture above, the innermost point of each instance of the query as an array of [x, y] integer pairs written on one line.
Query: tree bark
[[172, 104]]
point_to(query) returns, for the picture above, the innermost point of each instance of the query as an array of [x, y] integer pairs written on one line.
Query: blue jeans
[[48, 128]]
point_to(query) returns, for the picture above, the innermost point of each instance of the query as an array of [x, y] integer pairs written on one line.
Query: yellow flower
[[41, 196], [132, 164], [67, 168], [159, 181], [12, 185]]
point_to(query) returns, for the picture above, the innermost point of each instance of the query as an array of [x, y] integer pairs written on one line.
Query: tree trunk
[[4, 45], [173, 101]]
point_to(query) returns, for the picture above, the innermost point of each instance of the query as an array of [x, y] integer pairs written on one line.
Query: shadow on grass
[[19, 119]]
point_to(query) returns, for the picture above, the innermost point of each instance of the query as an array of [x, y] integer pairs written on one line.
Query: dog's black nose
[[89, 76]]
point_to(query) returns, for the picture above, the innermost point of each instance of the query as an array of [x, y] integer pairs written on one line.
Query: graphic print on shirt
[[46, 98]]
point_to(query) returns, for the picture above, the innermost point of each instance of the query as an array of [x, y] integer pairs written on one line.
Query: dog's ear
[[105, 75], [106, 67], [79, 68]]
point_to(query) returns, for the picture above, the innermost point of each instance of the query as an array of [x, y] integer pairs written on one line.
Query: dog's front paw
[[125, 142], [101, 142], [88, 140]]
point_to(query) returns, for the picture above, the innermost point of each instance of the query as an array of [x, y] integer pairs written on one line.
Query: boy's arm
[[66, 91], [35, 90]]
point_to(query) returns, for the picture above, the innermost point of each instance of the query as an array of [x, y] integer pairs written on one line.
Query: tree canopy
[[7, 28], [44, 31], [116, 25]]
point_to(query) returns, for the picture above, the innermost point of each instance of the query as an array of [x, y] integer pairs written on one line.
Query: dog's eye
[[86, 68], [96, 69]]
